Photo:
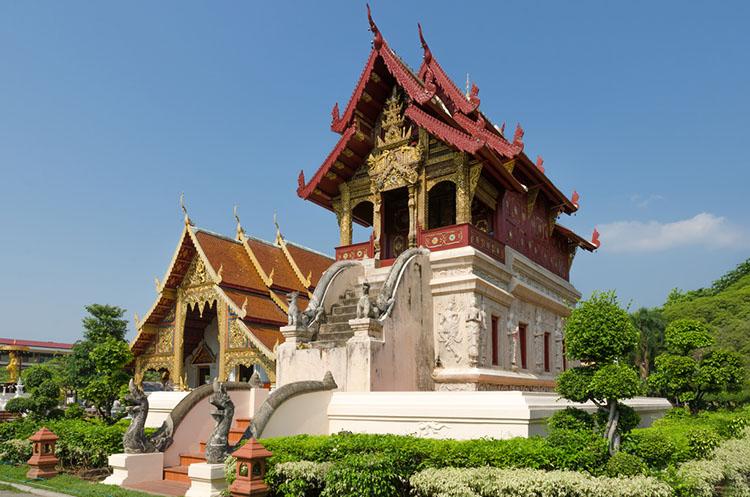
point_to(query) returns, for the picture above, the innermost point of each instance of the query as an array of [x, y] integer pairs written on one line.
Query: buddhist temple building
[[220, 305], [420, 164]]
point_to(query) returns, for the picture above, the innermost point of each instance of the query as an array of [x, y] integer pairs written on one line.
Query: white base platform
[[135, 468], [206, 480]]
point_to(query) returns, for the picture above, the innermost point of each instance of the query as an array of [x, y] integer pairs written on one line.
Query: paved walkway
[[28, 491]]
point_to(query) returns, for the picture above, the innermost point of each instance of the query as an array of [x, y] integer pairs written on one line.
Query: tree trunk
[[611, 429]]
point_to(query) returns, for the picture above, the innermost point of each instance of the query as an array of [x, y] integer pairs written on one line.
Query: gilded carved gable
[[196, 274], [394, 163]]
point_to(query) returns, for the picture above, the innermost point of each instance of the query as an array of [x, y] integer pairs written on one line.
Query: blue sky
[[109, 111]]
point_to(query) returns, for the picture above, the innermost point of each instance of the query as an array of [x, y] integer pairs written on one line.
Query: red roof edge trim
[[339, 124], [452, 91], [305, 191], [464, 141], [496, 143], [404, 76]]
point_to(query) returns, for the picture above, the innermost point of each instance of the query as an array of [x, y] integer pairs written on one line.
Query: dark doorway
[[395, 222], [442, 205]]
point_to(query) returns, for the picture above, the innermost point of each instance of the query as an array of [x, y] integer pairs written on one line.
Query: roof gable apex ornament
[[240, 232], [429, 76], [574, 199], [188, 221], [539, 162], [518, 139], [377, 40], [473, 98], [427, 53]]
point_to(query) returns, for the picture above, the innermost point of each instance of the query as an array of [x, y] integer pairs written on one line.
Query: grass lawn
[[8, 488], [65, 484]]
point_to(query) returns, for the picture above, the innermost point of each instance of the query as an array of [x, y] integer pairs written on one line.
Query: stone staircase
[[336, 331]]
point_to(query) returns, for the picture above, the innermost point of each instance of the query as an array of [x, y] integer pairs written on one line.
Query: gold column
[[138, 374], [345, 217], [463, 195], [376, 229], [412, 216], [179, 341], [222, 324]]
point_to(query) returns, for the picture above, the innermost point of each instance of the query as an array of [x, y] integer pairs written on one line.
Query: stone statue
[[217, 447], [254, 380], [474, 329], [135, 440], [483, 335], [448, 333], [364, 305], [538, 341], [294, 316]]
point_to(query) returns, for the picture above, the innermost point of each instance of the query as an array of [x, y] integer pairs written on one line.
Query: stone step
[[341, 318], [160, 487], [177, 473], [242, 423], [328, 328], [338, 309], [346, 302], [188, 459]]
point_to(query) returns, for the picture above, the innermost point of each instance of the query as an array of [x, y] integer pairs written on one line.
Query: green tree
[[600, 334], [650, 326], [95, 366], [688, 371], [43, 382]]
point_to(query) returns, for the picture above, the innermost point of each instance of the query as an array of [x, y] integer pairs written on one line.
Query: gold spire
[[188, 221]]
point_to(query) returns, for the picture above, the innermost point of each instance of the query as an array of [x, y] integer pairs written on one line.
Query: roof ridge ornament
[[427, 53], [595, 238], [240, 232], [574, 199], [518, 139], [539, 162], [429, 76], [377, 40], [188, 221]]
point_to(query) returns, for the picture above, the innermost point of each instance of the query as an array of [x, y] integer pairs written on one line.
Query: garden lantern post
[[251, 469], [43, 461]]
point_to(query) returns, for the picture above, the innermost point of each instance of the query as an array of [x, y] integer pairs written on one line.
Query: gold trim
[[306, 282]]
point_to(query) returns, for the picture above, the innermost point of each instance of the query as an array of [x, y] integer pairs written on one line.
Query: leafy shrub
[[19, 405], [578, 450], [653, 448], [15, 450], [702, 441], [301, 478], [624, 464], [486, 482], [365, 475], [571, 418], [75, 411]]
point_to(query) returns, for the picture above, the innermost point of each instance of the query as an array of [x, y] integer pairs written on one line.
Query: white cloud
[[641, 201], [705, 229]]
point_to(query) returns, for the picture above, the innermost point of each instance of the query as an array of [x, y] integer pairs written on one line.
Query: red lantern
[[43, 461], [251, 469]]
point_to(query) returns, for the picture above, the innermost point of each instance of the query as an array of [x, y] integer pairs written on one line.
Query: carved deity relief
[[448, 333], [539, 341], [559, 337], [512, 332], [476, 328]]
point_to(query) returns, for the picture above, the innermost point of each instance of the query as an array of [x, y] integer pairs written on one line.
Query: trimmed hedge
[[496, 482], [82, 443]]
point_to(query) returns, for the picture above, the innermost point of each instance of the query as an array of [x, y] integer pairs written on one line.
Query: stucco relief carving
[[237, 338], [196, 274], [430, 429], [512, 332], [449, 334], [559, 337], [538, 341], [476, 332], [165, 340], [445, 273]]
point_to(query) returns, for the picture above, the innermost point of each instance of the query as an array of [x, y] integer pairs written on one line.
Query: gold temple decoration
[[267, 279], [531, 198], [394, 163], [509, 166], [188, 221], [306, 282], [553, 213]]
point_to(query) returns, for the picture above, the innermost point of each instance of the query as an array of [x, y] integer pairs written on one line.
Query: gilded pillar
[[179, 342], [463, 195], [412, 216], [424, 141], [138, 373], [376, 225], [345, 215], [222, 322]]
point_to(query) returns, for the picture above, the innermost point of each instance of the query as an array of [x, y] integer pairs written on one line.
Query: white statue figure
[[448, 333], [559, 338], [538, 341], [513, 334], [474, 327]]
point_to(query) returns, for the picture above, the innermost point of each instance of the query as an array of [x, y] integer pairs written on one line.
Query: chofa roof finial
[[427, 52], [377, 40], [188, 221], [240, 231]]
